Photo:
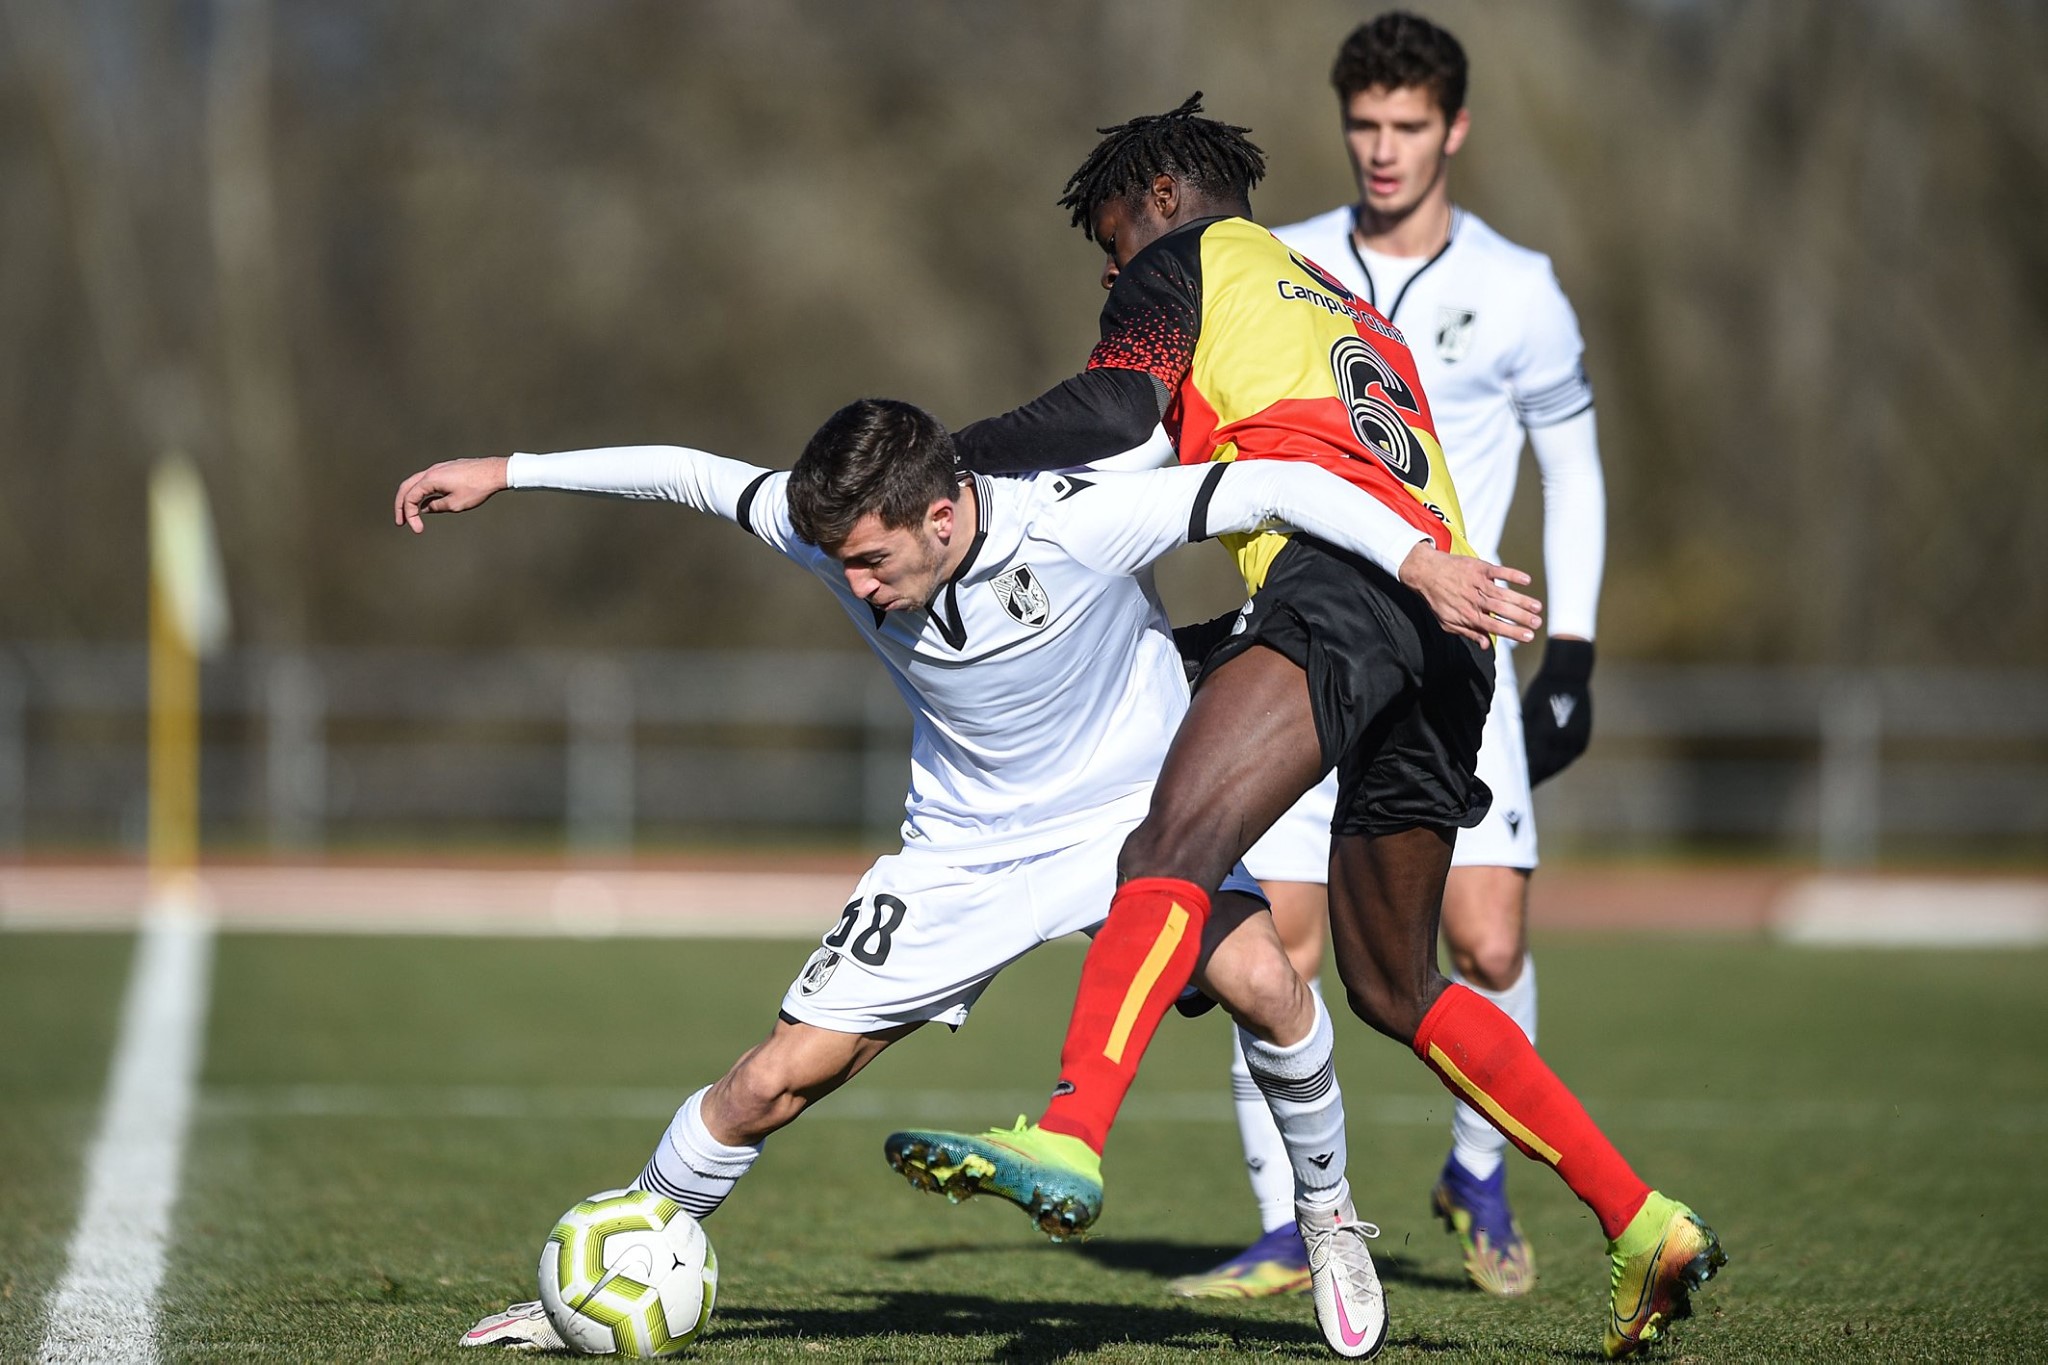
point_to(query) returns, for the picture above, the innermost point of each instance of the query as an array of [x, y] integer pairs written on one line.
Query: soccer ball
[[628, 1273]]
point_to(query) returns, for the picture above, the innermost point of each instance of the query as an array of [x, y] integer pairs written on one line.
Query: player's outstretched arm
[[450, 486], [699, 480]]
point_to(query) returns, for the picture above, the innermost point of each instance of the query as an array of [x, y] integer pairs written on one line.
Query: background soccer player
[[1498, 351], [1249, 351]]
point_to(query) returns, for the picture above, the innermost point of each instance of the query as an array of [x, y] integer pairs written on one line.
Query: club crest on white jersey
[[1454, 333], [1023, 596]]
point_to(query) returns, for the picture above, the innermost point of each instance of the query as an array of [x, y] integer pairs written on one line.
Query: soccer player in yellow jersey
[[1244, 350], [1498, 349]]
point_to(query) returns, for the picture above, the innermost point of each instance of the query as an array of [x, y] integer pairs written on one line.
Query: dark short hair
[[1215, 158], [873, 455], [1398, 50]]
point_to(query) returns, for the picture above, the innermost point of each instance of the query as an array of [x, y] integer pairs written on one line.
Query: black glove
[[1194, 642], [1557, 710]]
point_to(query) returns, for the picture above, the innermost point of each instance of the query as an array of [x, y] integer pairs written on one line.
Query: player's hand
[[1471, 597], [450, 486], [1557, 710]]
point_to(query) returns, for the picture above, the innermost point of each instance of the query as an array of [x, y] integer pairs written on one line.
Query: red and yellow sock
[[1137, 965], [1485, 1059]]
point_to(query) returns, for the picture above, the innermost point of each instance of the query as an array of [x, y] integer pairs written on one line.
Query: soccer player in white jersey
[[1498, 351], [1017, 619]]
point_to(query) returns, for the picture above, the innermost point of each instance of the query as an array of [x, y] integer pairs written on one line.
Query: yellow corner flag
[[188, 618]]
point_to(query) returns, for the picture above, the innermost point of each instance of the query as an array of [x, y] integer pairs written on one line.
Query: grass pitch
[[387, 1128]]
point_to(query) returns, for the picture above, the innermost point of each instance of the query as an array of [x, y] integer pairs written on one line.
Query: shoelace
[[1320, 1242]]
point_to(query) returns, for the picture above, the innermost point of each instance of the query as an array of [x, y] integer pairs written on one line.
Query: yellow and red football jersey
[[1266, 356]]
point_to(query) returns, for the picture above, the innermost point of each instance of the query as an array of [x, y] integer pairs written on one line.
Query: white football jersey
[[1043, 683], [1495, 342]]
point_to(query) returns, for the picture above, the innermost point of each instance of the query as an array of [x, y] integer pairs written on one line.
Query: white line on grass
[[426, 1103], [105, 1306]]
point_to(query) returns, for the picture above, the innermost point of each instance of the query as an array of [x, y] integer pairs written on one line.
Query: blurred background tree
[[318, 246]]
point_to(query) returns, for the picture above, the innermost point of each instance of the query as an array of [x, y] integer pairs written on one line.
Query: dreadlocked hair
[[1213, 157]]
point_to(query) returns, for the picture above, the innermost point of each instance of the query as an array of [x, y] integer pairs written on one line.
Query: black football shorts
[[1399, 701]]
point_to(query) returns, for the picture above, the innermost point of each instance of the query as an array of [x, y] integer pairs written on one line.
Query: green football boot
[[1664, 1254], [1055, 1178]]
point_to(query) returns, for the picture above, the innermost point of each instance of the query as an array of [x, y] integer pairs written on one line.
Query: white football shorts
[[1297, 847], [922, 936]]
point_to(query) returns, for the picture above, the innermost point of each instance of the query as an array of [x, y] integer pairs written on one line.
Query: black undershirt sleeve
[[1098, 413], [1149, 325]]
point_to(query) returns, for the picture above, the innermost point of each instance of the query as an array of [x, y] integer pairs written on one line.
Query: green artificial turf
[[388, 1127], [60, 997]]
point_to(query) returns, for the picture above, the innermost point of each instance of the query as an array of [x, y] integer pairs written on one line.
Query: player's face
[[1122, 230], [1400, 145], [894, 568]]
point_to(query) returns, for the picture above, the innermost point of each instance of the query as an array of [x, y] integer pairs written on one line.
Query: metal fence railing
[[606, 751]]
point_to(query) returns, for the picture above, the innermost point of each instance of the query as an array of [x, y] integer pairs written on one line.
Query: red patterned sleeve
[[1148, 345], [1154, 311]]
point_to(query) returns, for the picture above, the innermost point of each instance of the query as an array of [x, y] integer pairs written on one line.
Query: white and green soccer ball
[[628, 1273]]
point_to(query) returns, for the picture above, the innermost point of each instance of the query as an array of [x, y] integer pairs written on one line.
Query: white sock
[[692, 1167], [1307, 1105], [1265, 1155], [1477, 1144]]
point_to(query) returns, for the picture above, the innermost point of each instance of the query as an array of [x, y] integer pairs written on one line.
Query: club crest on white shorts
[[817, 972]]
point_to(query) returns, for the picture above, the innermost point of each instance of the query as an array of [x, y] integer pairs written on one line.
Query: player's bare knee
[[1265, 995], [1494, 963]]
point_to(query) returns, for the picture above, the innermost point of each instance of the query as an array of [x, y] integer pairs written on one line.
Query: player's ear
[[1165, 195], [939, 519], [1460, 126]]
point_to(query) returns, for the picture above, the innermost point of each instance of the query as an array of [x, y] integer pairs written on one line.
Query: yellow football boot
[[1664, 1254]]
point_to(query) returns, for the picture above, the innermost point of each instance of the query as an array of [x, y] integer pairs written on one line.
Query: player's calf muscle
[[1395, 1012], [775, 1081], [1389, 984], [751, 1101]]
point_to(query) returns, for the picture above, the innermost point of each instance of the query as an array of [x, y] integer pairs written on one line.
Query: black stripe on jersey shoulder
[[743, 514], [1198, 517]]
